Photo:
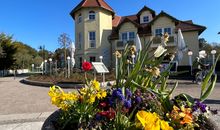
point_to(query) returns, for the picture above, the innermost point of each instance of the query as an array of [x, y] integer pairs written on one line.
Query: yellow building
[[99, 32]]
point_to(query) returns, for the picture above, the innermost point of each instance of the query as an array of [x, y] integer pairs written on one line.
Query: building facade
[[100, 32]]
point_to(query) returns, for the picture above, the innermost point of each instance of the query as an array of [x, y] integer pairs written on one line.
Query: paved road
[[17, 98], [20, 98]]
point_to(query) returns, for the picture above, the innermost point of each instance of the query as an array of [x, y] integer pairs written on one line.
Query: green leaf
[[209, 90], [175, 86], [208, 77]]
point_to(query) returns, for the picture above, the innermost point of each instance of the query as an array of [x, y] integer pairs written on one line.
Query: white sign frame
[[100, 67]]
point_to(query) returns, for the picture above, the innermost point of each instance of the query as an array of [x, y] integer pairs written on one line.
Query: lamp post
[[100, 57], [68, 66], [213, 52], [45, 63], [50, 59], [190, 53], [32, 65]]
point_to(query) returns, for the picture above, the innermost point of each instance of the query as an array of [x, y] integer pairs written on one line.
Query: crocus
[[159, 51]]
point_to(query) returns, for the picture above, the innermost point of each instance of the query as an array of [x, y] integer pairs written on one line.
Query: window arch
[[91, 15], [79, 18]]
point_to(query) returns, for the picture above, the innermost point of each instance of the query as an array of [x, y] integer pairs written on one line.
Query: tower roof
[[92, 3]]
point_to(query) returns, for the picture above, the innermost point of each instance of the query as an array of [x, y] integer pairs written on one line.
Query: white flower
[[159, 51]]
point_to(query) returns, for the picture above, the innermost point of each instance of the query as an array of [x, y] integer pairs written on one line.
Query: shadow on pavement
[[211, 101]]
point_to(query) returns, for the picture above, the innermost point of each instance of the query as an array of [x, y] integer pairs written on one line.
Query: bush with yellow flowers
[[139, 98]]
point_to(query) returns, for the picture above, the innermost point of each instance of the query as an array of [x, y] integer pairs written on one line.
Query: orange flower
[[182, 114], [187, 119]]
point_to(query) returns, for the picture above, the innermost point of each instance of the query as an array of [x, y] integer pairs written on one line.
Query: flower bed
[[139, 98]]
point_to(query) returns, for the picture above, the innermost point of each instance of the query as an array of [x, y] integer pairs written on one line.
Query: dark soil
[[77, 77]]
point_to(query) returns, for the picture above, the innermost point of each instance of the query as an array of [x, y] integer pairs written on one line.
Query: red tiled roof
[[92, 3], [187, 26], [116, 20], [145, 29]]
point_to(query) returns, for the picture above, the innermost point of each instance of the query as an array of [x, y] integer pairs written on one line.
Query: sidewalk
[[33, 121]]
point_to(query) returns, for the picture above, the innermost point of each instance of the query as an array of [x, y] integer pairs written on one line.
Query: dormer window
[[91, 15], [79, 18], [145, 19]]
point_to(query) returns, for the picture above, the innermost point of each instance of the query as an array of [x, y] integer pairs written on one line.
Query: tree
[[1, 51], [37, 60], [65, 42], [24, 55], [7, 61], [58, 56]]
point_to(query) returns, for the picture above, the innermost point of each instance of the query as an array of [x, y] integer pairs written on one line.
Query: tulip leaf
[[208, 77], [209, 90]]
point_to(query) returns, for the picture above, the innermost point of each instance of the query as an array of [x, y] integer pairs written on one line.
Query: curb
[[49, 84], [62, 85]]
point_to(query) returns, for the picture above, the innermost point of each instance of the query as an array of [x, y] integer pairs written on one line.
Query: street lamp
[[45, 62], [32, 65], [213, 52], [190, 53], [100, 57], [50, 59], [68, 66]]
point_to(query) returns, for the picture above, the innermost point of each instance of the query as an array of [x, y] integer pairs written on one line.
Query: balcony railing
[[157, 40], [122, 44]]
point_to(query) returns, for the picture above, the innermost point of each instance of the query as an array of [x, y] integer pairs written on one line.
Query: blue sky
[[40, 22]]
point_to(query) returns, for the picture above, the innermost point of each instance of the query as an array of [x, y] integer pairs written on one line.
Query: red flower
[[103, 113], [86, 66], [111, 113]]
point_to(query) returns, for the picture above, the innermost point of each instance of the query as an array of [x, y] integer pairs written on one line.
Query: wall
[[102, 25], [191, 40], [163, 22], [127, 27]]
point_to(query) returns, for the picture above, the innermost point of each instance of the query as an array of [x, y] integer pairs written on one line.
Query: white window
[[167, 30], [131, 36], [79, 18], [145, 19], [158, 32], [128, 36], [91, 15], [79, 40], [92, 39], [124, 36]]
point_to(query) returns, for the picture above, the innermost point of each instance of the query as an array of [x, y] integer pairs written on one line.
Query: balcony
[[122, 44], [171, 42]]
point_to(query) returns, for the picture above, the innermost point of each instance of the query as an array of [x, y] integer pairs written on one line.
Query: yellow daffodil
[[103, 94], [92, 99], [83, 91], [159, 51], [96, 85]]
